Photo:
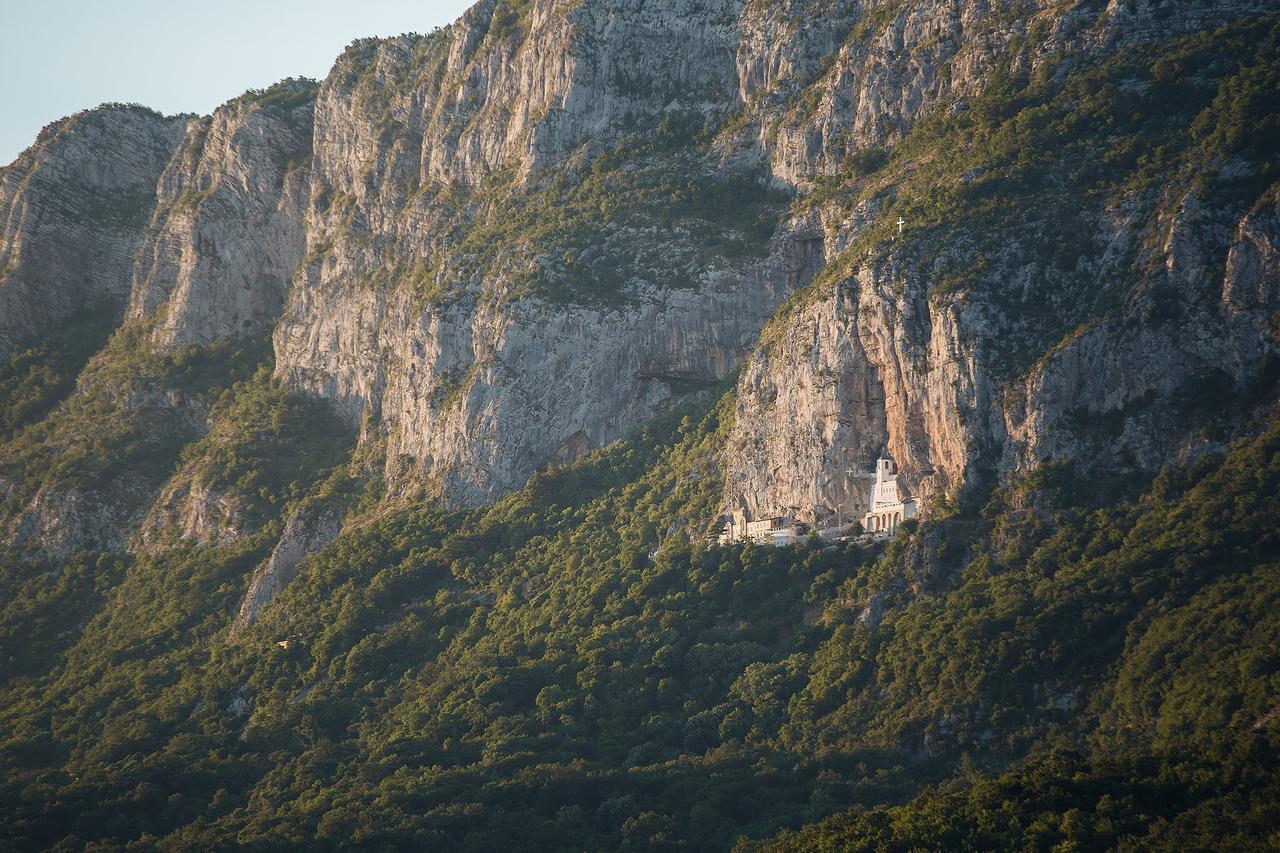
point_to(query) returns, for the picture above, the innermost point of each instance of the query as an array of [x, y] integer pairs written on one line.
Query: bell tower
[[887, 509]]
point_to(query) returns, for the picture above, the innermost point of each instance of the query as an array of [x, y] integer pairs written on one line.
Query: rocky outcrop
[[187, 510], [1251, 285], [72, 210], [60, 521], [308, 529], [475, 398], [894, 62], [502, 88], [229, 226], [875, 362], [872, 367]]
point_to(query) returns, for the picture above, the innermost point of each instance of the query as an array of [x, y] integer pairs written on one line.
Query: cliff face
[[872, 367], [479, 386], [477, 396], [503, 244], [479, 382], [875, 364], [826, 82], [307, 530], [517, 86], [73, 207], [1191, 347], [1116, 321], [228, 230]]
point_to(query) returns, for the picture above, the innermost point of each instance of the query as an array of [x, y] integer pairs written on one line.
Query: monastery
[[776, 530], [887, 510]]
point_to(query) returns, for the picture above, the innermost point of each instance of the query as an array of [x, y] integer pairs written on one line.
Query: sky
[[176, 56]]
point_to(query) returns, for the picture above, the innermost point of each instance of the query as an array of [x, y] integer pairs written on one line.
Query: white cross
[[901, 222]]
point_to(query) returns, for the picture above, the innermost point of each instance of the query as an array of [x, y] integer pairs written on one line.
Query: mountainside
[[362, 443]]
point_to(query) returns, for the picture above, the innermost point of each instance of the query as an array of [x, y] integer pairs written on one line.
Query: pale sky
[[61, 56]]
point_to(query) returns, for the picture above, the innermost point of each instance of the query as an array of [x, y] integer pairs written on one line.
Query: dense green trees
[[526, 671], [35, 379]]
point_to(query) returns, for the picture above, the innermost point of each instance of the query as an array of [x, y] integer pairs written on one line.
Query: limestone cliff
[[477, 379], [1186, 358], [870, 368], [825, 83], [875, 364], [307, 530], [228, 230], [474, 374], [477, 398], [72, 210], [1117, 330], [497, 246]]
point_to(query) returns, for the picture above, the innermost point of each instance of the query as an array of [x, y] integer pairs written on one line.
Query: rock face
[[877, 361], [190, 511], [72, 210], [228, 231], [1196, 342], [308, 530], [380, 226], [478, 399], [477, 391], [823, 81], [878, 364], [60, 522], [1252, 280], [871, 368], [501, 89]]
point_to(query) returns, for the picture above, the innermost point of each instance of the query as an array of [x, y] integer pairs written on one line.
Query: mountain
[[362, 444]]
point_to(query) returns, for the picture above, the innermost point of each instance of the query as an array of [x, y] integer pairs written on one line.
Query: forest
[[1069, 666]]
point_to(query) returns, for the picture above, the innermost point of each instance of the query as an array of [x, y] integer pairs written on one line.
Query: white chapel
[[887, 509]]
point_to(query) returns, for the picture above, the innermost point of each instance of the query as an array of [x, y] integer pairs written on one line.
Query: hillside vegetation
[[528, 670]]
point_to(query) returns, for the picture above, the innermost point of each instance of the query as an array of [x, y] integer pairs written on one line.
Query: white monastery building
[[887, 509], [775, 530]]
